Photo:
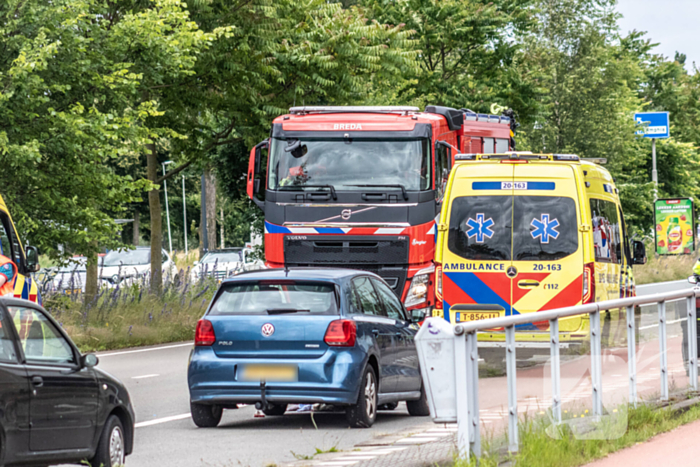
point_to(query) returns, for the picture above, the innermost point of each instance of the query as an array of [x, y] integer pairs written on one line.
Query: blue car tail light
[[341, 333], [204, 335]]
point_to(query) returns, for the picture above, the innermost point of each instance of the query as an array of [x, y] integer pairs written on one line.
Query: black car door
[[405, 364], [63, 405], [375, 322], [14, 393]]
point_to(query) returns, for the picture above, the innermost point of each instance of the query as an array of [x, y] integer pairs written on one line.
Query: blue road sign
[[653, 124]]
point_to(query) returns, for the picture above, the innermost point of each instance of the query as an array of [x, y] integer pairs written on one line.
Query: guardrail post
[[596, 363], [632, 355], [511, 375], [554, 362], [473, 392], [663, 360], [692, 342], [462, 389]]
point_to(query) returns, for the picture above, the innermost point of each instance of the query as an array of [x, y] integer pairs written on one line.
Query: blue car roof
[[327, 274]]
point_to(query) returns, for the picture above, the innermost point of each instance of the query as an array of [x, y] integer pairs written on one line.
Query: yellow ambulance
[[27, 260], [522, 233]]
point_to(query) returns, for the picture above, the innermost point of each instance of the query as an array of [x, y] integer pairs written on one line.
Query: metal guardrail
[[467, 358]]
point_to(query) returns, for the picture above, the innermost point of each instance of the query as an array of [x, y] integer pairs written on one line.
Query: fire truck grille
[[385, 256]]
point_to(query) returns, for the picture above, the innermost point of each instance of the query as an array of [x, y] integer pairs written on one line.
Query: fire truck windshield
[[344, 164]]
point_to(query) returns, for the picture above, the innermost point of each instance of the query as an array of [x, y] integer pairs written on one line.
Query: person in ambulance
[[8, 274]]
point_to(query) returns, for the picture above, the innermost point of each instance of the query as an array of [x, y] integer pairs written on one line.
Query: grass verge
[[664, 268], [539, 449], [130, 317]]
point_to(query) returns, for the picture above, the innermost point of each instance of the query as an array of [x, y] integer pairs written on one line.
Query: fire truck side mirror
[[253, 185]]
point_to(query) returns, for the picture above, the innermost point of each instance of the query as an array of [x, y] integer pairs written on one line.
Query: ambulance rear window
[[545, 228], [539, 228], [480, 227]]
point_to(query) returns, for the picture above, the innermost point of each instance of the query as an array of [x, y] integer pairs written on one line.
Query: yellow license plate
[[476, 315], [279, 373]]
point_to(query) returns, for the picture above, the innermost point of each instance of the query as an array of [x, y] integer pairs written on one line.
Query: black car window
[[41, 341], [391, 303], [8, 353], [369, 300]]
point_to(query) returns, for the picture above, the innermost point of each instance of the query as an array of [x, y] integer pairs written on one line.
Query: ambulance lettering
[[474, 267]]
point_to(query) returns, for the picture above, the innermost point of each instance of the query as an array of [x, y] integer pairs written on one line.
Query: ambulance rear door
[[547, 244], [477, 254]]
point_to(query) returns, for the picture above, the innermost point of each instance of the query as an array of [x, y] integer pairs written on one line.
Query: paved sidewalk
[[678, 447]]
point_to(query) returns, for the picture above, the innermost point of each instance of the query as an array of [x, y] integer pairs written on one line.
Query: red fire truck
[[360, 187]]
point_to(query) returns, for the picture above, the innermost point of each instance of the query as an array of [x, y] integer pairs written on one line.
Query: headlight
[[418, 292]]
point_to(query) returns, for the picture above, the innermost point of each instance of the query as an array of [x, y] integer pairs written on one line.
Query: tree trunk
[[156, 222], [91, 273], [211, 208], [137, 229], [221, 226]]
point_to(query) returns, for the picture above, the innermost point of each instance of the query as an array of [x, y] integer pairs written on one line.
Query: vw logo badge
[[345, 214], [268, 329]]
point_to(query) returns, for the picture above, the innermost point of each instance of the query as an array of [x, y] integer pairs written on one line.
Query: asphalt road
[[165, 435]]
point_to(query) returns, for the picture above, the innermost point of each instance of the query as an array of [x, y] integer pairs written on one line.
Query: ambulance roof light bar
[[596, 160], [405, 109], [565, 157]]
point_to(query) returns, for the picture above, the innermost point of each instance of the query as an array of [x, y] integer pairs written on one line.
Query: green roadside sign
[[675, 226]]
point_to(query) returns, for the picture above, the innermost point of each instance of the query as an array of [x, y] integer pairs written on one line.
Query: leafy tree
[[468, 54]]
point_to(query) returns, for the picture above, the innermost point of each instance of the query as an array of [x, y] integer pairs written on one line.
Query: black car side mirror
[[418, 315], [640, 252], [88, 361]]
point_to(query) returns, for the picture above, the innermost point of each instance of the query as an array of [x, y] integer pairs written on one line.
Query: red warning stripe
[[453, 294]]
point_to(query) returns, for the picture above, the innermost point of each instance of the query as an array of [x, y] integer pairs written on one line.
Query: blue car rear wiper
[[279, 311]]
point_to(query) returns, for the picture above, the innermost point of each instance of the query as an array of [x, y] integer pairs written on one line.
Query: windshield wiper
[[279, 311], [396, 185], [331, 187]]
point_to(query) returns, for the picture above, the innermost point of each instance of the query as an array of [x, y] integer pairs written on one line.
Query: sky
[[673, 24]]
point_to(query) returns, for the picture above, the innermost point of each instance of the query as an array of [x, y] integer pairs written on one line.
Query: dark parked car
[[304, 336], [55, 406]]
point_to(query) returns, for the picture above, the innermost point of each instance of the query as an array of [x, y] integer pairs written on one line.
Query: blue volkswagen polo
[[304, 336]]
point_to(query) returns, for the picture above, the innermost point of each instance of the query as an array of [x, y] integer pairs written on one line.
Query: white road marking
[[641, 328], [113, 354], [144, 376], [158, 421]]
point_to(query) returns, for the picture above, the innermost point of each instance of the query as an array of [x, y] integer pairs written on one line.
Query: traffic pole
[[654, 173]]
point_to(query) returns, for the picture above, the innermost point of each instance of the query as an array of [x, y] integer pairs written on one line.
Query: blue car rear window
[[275, 297]]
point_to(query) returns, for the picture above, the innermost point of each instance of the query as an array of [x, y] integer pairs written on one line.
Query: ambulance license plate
[[476, 315], [274, 373]]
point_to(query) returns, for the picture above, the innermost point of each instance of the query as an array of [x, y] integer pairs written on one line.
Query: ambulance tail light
[[588, 283], [438, 286]]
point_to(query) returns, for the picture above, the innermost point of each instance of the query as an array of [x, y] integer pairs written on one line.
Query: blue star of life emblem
[[480, 228], [545, 228]]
